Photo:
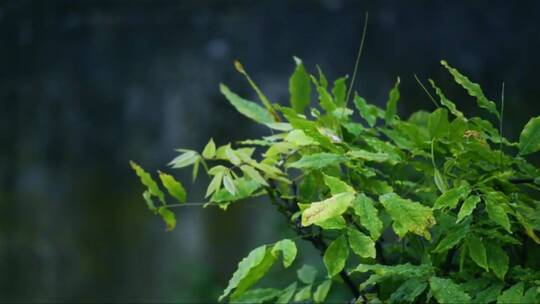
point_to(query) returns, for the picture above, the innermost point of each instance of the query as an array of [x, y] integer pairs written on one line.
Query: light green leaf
[[339, 91], [473, 89], [468, 207], [512, 295], [494, 204], [408, 291], [322, 291], [364, 208], [529, 140], [250, 270], [168, 217], [408, 216], [400, 272], [438, 124], [446, 291], [247, 108], [477, 251], [244, 189], [299, 87], [307, 274], [214, 184], [148, 181], [229, 184], [185, 159], [209, 150], [331, 207], [336, 185], [299, 138], [173, 186], [450, 198], [287, 294], [440, 181], [336, 256], [149, 202], [317, 161], [253, 174], [303, 294], [452, 238], [257, 296], [361, 244], [447, 102], [497, 259], [288, 250], [378, 157], [336, 223], [391, 104]]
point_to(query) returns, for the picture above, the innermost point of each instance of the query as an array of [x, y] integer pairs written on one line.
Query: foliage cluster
[[438, 207]]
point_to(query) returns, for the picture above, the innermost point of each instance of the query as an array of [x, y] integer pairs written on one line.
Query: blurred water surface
[[86, 86]]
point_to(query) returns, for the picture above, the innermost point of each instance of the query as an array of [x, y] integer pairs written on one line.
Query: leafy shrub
[[435, 208]]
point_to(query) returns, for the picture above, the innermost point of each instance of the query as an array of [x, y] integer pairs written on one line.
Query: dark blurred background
[[86, 86]]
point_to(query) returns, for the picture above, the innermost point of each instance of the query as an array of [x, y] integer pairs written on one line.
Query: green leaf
[[288, 250], [364, 208], [257, 296], [447, 102], [361, 244], [148, 181], [247, 108], [336, 223], [331, 207], [408, 291], [529, 140], [322, 291], [149, 202], [303, 294], [299, 87], [378, 157], [336, 255], [287, 294], [173, 186], [497, 259], [307, 274], [446, 291], [214, 184], [397, 272], [452, 238], [496, 212], [325, 99], [391, 104], [250, 270], [229, 184], [209, 150], [317, 161], [473, 89], [244, 189], [468, 207], [336, 185], [408, 216], [368, 112], [168, 217], [512, 295], [438, 124], [450, 198], [339, 91], [185, 159], [477, 251], [489, 294]]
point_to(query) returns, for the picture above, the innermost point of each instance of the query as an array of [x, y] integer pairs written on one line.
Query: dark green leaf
[[446, 291], [339, 91], [497, 259], [512, 295], [299, 87], [477, 251], [408, 291], [450, 198], [307, 274], [322, 291], [391, 104]]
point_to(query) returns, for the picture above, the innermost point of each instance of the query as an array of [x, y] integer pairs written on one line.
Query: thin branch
[[426, 90], [358, 56]]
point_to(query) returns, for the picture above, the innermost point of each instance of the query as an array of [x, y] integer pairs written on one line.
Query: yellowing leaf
[[408, 216], [331, 207], [336, 256], [529, 140]]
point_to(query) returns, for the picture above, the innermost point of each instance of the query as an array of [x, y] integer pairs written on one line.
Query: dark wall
[[86, 86]]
